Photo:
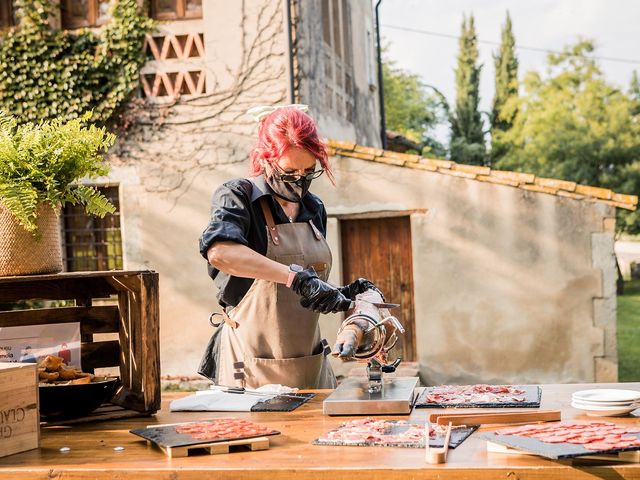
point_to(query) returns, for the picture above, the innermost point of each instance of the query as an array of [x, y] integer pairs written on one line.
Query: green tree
[[506, 84], [467, 135], [572, 124], [634, 91], [410, 109]]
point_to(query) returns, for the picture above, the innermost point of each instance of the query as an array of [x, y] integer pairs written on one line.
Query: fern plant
[[42, 164]]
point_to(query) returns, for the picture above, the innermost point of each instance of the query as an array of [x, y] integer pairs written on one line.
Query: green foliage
[[409, 109], [634, 92], [573, 125], [629, 332], [506, 84], [48, 74], [467, 135], [40, 164]]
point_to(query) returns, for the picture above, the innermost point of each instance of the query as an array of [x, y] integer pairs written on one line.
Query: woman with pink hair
[[267, 253]]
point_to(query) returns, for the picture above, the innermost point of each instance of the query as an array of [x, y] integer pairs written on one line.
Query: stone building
[[501, 276]]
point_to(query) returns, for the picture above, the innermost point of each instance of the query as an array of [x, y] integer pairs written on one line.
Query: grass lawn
[[629, 332]]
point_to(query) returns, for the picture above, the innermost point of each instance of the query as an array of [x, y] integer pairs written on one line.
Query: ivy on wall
[[48, 74]]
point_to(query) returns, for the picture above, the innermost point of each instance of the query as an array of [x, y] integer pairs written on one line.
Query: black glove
[[318, 295], [361, 285]]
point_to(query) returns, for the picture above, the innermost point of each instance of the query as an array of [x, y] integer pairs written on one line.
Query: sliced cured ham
[[595, 436]]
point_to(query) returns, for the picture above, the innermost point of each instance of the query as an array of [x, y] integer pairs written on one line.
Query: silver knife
[[375, 304]]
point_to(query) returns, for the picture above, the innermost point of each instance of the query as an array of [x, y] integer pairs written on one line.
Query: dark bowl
[[71, 401]]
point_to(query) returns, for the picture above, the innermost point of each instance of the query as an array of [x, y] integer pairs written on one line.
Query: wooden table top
[[291, 454]]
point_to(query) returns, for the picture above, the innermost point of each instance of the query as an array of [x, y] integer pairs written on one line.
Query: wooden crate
[[19, 416], [134, 317]]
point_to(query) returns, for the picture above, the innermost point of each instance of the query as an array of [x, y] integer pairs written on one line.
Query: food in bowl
[[53, 370]]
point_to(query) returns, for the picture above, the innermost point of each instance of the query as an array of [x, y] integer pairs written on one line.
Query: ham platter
[[210, 431], [368, 432], [480, 396], [569, 439]]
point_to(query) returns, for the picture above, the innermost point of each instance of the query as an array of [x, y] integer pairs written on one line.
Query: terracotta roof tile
[[407, 157], [525, 181], [342, 145], [619, 197], [603, 193], [361, 155], [475, 169], [518, 177], [538, 188], [457, 173], [555, 183], [437, 163], [422, 166], [496, 179], [376, 152], [575, 196]]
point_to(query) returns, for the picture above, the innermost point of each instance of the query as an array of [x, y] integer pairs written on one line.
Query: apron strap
[[225, 318], [316, 232], [268, 218]]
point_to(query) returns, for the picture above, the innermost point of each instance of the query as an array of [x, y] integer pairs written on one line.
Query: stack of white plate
[[606, 402]]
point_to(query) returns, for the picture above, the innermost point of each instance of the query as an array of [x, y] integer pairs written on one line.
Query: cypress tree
[[506, 84], [634, 92], [467, 136]]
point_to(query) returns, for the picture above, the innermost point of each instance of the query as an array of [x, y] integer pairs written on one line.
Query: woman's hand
[[318, 295], [361, 285]]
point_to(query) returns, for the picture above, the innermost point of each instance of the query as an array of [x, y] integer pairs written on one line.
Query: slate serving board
[[532, 396], [166, 436], [458, 435], [283, 404], [549, 450]]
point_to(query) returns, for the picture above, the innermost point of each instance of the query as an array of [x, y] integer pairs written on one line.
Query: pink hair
[[284, 128]]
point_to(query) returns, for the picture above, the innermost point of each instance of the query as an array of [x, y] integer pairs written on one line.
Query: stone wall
[[509, 285], [311, 71]]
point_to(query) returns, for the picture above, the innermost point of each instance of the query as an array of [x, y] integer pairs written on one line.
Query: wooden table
[[291, 454]]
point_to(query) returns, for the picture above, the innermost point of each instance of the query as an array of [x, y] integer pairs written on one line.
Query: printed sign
[[28, 344]]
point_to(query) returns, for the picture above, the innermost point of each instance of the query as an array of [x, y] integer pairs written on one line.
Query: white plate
[[606, 395], [605, 404], [604, 411]]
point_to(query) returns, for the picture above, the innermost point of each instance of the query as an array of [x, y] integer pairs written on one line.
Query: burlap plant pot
[[21, 253]]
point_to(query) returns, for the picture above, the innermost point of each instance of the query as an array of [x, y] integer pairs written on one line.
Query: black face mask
[[289, 191]]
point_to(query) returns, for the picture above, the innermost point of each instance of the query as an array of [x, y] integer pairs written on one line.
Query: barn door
[[380, 249]]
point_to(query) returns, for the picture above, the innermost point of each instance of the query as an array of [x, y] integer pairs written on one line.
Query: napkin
[[216, 401]]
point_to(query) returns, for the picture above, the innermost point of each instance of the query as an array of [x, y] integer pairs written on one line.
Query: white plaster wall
[[504, 279]]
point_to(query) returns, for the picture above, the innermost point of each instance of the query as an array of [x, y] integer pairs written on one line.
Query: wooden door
[[380, 249]]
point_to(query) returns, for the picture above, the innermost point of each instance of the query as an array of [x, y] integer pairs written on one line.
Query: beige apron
[[268, 337]]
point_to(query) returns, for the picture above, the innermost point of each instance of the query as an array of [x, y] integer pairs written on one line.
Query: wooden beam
[[92, 319]]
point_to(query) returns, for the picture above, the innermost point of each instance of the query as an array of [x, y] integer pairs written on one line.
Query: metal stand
[[373, 395], [352, 397]]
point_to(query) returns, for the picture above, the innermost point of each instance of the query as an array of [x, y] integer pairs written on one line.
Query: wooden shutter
[[78, 13], [6, 13], [176, 9], [164, 9]]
